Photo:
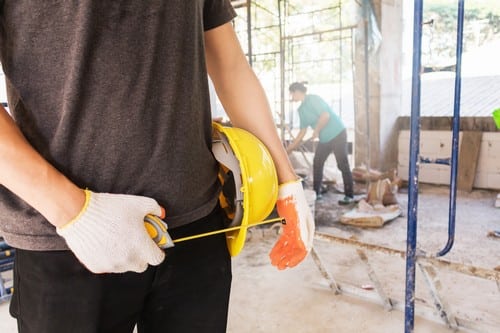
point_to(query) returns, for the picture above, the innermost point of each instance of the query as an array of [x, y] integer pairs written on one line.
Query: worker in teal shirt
[[314, 112]]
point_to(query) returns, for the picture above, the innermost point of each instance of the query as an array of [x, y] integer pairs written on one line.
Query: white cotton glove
[[109, 236], [298, 231]]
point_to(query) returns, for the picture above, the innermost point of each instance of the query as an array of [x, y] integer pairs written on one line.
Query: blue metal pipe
[[411, 238], [456, 129]]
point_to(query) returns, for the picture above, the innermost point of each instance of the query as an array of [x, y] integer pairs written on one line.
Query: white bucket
[[311, 199]]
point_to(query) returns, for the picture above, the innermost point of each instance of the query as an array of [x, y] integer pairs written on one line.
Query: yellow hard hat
[[249, 181]]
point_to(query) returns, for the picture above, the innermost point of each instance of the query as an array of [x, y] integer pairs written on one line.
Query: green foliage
[[481, 24]]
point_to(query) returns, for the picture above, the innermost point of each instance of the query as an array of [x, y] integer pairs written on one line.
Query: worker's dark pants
[[338, 146], [188, 292]]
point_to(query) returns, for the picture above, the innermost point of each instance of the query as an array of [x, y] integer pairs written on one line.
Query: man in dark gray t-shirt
[[110, 121]]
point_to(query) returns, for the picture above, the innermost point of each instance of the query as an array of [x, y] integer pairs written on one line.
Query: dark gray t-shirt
[[115, 95]]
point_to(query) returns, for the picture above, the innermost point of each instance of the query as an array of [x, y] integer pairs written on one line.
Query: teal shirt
[[309, 111]]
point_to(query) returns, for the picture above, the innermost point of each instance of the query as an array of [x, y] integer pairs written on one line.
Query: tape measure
[[158, 230]]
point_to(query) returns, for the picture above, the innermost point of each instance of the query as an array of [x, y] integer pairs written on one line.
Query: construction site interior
[[428, 259]]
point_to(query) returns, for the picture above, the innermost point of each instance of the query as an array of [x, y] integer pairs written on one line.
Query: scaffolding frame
[[262, 23]]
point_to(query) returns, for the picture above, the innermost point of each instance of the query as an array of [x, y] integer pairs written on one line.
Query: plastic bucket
[[496, 117]]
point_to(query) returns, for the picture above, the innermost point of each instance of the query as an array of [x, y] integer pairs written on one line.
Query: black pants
[[188, 292], [338, 146]]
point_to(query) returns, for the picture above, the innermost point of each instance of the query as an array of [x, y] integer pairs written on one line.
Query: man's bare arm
[[27, 174], [242, 95]]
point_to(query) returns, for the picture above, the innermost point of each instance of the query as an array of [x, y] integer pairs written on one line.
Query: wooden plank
[[467, 159]]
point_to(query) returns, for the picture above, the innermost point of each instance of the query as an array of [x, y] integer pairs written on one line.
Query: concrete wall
[[376, 123], [366, 94], [391, 87]]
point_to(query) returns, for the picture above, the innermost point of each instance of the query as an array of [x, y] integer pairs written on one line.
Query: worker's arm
[[94, 225], [322, 121], [242, 95], [297, 141], [32, 178], [246, 105]]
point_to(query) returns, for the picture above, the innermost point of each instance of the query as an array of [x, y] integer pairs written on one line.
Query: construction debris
[[379, 207], [494, 233], [362, 174], [366, 215], [382, 192]]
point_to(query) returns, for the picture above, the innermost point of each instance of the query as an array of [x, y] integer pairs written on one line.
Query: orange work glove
[[298, 231]]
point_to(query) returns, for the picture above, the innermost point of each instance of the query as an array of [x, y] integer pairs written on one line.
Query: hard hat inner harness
[[231, 199]]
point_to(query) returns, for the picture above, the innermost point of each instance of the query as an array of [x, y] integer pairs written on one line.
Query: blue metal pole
[[411, 238], [456, 129]]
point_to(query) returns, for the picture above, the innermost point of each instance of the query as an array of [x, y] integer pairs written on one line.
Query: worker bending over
[[314, 112]]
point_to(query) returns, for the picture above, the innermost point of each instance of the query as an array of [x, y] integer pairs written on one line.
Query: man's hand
[[298, 232], [109, 236]]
